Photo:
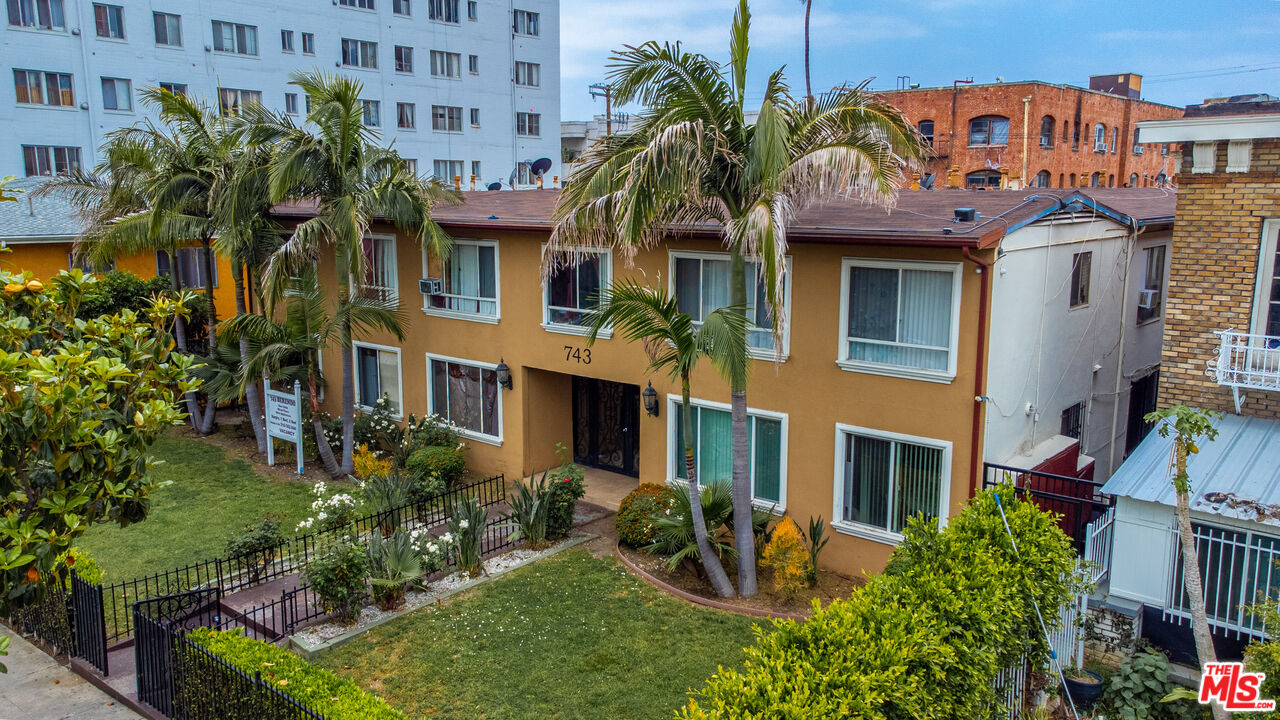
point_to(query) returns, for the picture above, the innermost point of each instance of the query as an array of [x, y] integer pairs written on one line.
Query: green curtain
[[768, 460], [715, 445], [677, 447]]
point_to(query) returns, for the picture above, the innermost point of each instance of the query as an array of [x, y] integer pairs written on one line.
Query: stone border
[[698, 599], [308, 651]]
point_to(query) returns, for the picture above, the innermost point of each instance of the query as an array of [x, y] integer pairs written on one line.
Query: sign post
[[284, 419]]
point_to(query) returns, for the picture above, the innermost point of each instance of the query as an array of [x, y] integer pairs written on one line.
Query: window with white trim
[[525, 22], [117, 94], [1151, 297], [361, 4], [380, 279], [1266, 300], [235, 38], [572, 287], [38, 14], [359, 53], [291, 103], [406, 116], [445, 170], [701, 283], [443, 11], [286, 41], [401, 7], [446, 118], [528, 74], [446, 64], [231, 99], [713, 448], [174, 88], [473, 64], [168, 29], [404, 59], [109, 21], [377, 374], [900, 317], [35, 87], [308, 43], [470, 281], [467, 395], [371, 112], [884, 479], [49, 159], [529, 124], [989, 130]]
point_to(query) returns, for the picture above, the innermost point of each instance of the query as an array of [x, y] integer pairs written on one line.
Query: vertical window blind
[[900, 316], [713, 450], [885, 482]]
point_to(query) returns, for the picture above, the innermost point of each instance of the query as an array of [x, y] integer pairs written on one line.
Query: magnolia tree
[[81, 402]]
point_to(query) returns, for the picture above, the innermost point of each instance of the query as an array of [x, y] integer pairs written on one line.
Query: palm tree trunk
[[348, 403], [322, 442], [211, 408], [251, 395], [808, 89], [710, 562], [180, 339], [743, 536], [1191, 579]]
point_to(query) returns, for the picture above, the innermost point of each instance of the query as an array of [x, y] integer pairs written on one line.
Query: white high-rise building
[[462, 87]]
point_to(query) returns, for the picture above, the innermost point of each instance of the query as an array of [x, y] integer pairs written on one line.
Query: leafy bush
[[1135, 690], [925, 638], [567, 488], [787, 556], [84, 565], [467, 521], [337, 576], [367, 463], [673, 535], [634, 522], [331, 512], [384, 494], [377, 427], [530, 509], [318, 689], [815, 540], [427, 431], [446, 463], [394, 562], [1264, 656], [121, 290], [257, 546]]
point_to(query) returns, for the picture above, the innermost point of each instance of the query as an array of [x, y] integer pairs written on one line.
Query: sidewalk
[[38, 688]]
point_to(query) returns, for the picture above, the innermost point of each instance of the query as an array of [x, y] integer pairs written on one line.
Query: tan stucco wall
[[813, 391]]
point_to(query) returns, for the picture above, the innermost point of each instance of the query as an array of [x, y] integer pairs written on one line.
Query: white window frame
[[442, 61], [366, 53], [115, 91], [757, 353], [402, 58], [497, 285], [308, 40], [355, 362], [465, 432], [531, 123], [527, 74], [529, 18], [863, 366], [236, 48], [1267, 248], [167, 15], [390, 293], [606, 265], [870, 532], [673, 407]]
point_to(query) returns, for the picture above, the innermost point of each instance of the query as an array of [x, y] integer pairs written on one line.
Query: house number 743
[[582, 355]]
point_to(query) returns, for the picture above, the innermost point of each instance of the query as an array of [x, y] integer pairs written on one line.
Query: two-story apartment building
[[868, 409], [1222, 353], [462, 87]]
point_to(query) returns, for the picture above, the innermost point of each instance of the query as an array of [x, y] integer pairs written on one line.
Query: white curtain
[[389, 378], [925, 318]]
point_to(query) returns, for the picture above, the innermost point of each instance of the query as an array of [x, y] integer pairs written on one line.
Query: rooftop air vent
[[966, 214]]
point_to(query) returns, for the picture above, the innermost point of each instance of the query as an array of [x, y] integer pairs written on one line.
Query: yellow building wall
[[809, 386], [47, 259]]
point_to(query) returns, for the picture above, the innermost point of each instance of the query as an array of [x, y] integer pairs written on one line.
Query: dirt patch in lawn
[[830, 586]]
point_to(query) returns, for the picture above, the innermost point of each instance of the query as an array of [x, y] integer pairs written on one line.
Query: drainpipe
[[1131, 247], [1026, 133], [979, 371]]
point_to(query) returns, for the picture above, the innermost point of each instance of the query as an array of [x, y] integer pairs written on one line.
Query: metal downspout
[[1132, 245], [979, 371]]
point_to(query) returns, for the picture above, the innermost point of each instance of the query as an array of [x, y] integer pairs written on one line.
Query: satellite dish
[[495, 186], [927, 182], [540, 166]]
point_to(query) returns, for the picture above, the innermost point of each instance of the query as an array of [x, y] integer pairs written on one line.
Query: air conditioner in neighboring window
[[1100, 146], [1148, 299], [1138, 149], [431, 286]]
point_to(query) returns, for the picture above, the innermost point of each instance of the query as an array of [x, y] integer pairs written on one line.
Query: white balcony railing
[[1238, 568], [1246, 362]]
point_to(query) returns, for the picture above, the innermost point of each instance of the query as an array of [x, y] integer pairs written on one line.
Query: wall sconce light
[[504, 374], [650, 397]]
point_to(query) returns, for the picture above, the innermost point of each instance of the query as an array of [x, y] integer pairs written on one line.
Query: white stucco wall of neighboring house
[[1142, 552], [493, 142], [1044, 352]]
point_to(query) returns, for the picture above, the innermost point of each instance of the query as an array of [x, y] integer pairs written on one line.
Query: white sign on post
[[284, 419]]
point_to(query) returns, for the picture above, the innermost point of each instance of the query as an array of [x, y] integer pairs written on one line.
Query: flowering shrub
[[445, 463], [377, 428], [330, 512], [427, 431], [467, 521], [634, 522], [337, 576], [567, 489], [367, 463], [433, 551], [788, 557], [256, 547]]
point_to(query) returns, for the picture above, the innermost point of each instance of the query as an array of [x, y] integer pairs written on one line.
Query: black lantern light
[[504, 374], [650, 397]]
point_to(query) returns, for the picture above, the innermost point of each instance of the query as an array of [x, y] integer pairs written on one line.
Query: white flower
[[321, 515], [446, 538], [462, 524], [433, 548]]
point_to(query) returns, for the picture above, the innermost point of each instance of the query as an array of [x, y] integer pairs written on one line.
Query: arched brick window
[[1046, 132], [989, 130], [1042, 179], [982, 179], [926, 129]]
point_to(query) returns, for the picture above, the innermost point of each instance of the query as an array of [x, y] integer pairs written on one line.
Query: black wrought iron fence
[[48, 618], [1077, 501], [158, 623], [88, 625], [231, 574]]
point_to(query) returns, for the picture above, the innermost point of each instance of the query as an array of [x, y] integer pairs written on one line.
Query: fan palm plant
[[335, 161], [289, 349], [675, 345], [393, 563], [695, 159], [692, 516]]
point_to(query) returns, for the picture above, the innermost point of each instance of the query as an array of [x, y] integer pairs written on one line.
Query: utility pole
[[603, 90]]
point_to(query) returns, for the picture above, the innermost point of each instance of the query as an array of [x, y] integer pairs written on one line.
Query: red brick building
[[1036, 134]]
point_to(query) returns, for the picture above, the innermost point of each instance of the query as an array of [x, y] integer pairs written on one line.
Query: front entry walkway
[[38, 688], [607, 489]]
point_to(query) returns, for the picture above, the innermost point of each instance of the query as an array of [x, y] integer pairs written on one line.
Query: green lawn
[[211, 499], [569, 637]]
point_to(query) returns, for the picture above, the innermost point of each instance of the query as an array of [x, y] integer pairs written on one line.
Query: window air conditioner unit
[[1138, 149], [1148, 299], [1100, 147], [431, 286]]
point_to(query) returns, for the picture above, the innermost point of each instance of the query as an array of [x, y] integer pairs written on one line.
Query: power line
[[1208, 74]]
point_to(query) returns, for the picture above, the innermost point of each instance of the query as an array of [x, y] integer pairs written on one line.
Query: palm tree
[[673, 344], [289, 349], [338, 164], [808, 87], [694, 159]]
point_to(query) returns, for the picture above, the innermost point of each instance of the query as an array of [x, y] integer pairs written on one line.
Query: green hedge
[[924, 639], [318, 689]]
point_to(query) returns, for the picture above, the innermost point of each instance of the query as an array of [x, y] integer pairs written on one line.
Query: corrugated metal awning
[[1243, 464]]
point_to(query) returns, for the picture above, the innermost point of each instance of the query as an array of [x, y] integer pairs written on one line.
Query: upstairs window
[[447, 170], [37, 14], [117, 94], [1151, 297], [443, 10], [529, 124], [401, 7], [572, 288], [360, 4], [1081, 272], [49, 160], [231, 99], [404, 59], [168, 29], [291, 103], [470, 279], [982, 179], [109, 21], [286, 41], [34, 87], [174, 88], [446, 64], [989, 130], [1046, 132], [406, 116], [1115, 140], [926, 131], [525, 23], [1042, 179], [235, 38], [900, 318], [1099, 138], [371, 111], [528, 74], [473, 64], [702, 283], [1266, 302], [473, 10], [308, 43], [1072, 421], [380, 279], [446, 118], [359, 53]]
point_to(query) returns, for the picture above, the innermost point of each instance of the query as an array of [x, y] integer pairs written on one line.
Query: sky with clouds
[[1187, 49]]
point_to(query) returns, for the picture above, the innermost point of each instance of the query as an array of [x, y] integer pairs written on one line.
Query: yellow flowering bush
[[367, 463], [787, 556]]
